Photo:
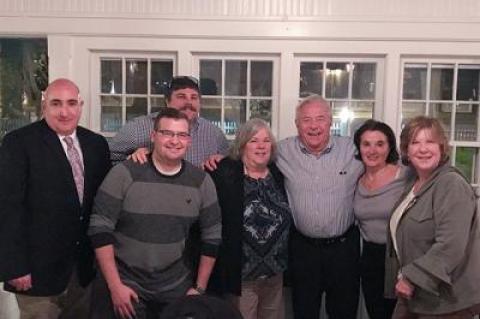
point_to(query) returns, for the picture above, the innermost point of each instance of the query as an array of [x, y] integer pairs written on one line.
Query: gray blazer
[[438, 241]]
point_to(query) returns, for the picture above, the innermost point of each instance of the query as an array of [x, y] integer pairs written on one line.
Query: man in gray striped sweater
[[142, 215]]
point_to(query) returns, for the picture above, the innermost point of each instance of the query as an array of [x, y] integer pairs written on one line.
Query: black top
[[266, 222], [229, 181]]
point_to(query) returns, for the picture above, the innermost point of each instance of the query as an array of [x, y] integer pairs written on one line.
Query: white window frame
[[96, 82], [275, 59], [378, 100], [429, 61]]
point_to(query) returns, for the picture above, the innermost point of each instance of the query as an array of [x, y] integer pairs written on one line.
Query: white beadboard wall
[[289, 29], [250, 9]]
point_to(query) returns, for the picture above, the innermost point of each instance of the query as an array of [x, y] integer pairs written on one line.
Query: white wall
[[391, 30]]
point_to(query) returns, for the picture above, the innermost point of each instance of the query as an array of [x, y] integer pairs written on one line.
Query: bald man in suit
[[49, 173]]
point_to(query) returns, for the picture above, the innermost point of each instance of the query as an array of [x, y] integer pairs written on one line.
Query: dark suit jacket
[[42, 224], [229, 182]]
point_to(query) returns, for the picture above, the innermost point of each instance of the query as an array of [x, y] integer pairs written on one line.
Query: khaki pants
[[262, 299], [73, 303]]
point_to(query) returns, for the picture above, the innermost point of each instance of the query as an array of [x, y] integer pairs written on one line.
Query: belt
[[329, 240]]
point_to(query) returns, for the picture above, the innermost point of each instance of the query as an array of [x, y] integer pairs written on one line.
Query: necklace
[[255, 174], [383, 176], [372, 176]]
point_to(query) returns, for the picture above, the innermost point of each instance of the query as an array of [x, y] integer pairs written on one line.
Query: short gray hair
[[246, 132], [312, 99]]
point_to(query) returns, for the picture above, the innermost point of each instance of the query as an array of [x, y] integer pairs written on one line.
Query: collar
[[164, 173], [194, 124], [326, 150], [73, 136], [439, 171]]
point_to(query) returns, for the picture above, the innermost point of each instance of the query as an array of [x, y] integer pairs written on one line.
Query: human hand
[[404, 288], [122, 296], [23, 283], [211, 162], [140, 155]]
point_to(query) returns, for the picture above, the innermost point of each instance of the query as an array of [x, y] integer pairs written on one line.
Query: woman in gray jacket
[[433, 252]]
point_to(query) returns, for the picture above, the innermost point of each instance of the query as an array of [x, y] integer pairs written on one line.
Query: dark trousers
[[148, 307], [372, 273], [329, 266]]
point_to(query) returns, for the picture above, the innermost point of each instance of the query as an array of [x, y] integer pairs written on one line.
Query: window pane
[[443, 113], [136, 106], [261, 109], [23, 76], [236, 78], [363, 86], [311, 78], [342, 114], [212, 110], [466, 122], [337, 80], [361, 111], [349, 116], [111, 71], [211, 77], [111, 113], [136, 71], [161, 74], [415, 82], [441, 83], [468, 82], [411, 110], [235, 115], [156, 103], [261, 75], [466, 162]]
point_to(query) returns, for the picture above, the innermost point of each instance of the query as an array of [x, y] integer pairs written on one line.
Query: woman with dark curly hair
[[377, 190]]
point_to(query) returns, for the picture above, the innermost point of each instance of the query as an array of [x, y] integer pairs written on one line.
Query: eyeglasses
[[172, 134]]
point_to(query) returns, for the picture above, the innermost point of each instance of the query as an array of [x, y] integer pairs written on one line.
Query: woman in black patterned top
[[255, 220]]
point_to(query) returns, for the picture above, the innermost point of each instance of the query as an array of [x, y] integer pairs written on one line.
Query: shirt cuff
[[209, 250], [102, 239]]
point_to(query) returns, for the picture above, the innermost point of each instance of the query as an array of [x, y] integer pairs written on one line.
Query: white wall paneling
[[252, 9], [390, 30], [73, 54]]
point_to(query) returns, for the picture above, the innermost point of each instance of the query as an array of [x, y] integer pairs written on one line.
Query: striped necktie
[[76, 164]]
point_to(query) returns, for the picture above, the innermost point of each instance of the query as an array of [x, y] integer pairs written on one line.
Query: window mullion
[[454, 103], [249, 93], [324, 80], [124, 91], [428, 111], [222, 111], [149, 81]]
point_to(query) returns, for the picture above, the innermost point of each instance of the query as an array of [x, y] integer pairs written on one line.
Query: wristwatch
[[199, 289]]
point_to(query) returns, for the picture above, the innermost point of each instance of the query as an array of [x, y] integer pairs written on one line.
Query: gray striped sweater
[[147, 216]]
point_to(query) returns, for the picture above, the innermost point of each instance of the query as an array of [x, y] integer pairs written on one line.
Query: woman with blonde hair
[[433, 249], [255, 224]]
